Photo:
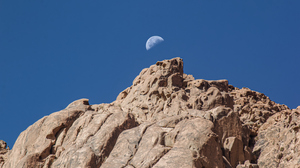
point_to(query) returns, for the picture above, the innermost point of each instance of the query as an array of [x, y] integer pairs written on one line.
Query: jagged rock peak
[[163, 90], [165, 119]]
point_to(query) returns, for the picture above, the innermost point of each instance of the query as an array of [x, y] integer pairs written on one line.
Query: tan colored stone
[[3, 152], [94, 140], [254, 108], [78, 103], [34, 145], [126, 147], [162, 90], [193, 146], [233, 148], [278, 140], [165, 119], [247, 164]]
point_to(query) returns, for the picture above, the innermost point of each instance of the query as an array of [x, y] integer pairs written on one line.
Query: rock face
[[254, 108], [278, 142], [165, 119], [3, 152]]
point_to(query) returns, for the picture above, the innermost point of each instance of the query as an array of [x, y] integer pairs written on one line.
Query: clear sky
[[55, 52]]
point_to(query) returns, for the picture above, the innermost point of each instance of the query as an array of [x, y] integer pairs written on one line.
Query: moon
[[153, 41]]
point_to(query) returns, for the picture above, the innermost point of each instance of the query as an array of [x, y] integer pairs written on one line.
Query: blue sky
[[53, 53]]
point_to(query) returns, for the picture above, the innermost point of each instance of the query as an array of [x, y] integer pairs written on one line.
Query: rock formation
[[165, 119], [278, 142], [3, 152]]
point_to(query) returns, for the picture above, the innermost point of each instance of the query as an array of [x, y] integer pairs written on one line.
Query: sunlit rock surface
[[165, 119]]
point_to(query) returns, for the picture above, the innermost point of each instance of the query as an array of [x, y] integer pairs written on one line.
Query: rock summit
[[166, 119]]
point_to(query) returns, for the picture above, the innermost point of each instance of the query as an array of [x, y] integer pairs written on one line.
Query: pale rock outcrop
[[253, 107], [278, 142], [78, 136], [3, 152], [165, 119], [36, 146], [163, 90]]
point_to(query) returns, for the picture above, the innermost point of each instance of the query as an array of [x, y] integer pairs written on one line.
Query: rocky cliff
[[165, 119]]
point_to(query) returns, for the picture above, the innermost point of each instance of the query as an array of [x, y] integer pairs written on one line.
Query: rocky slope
[[165, 119]]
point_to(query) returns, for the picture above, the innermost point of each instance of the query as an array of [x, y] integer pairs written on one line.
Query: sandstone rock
[[3, 145], [247, 164], [233, 149], [94, 139], [278, 140], [253, 107], [165, 119], [126, 147], [194, 142], [34, 145], [163, 90], [78, 103], [230, 132], [3, 152]]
